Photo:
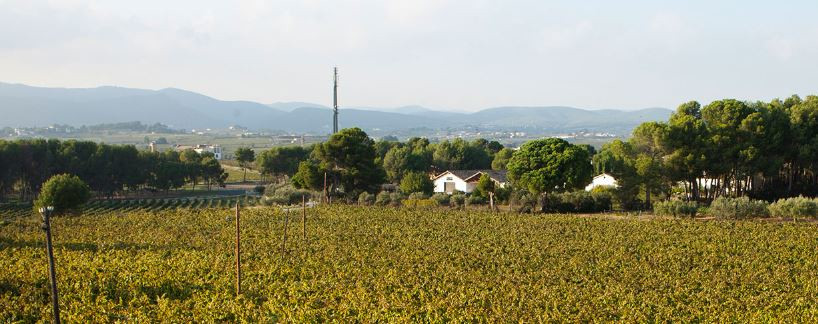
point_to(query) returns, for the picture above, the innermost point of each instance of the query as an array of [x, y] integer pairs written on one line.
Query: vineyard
[[96, 207], [380, 264]]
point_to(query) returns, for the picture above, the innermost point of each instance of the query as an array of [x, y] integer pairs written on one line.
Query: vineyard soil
[[369, 263]]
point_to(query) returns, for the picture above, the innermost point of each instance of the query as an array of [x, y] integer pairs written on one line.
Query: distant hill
[[22, 105]]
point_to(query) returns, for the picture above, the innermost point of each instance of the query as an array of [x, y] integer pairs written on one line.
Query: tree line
[[107, 169], [762, 150]]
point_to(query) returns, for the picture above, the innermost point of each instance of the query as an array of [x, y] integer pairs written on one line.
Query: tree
[[417, 182], [648, 141], [193, 164], [280, 161], [349, 155], [617, 159], [211, 171], [309, 176], [485, 186], [549, 165], [501, 159], [245, 156], [64, 192]]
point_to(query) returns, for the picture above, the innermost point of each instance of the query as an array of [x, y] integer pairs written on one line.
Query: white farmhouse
[[602, 180], [201, 148], [465, 180]]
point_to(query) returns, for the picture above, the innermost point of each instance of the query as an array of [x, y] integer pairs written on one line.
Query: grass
[[236, 174], [379, 264]]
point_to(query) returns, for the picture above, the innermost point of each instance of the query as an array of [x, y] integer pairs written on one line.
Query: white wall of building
[[602, 180], [459, 184]]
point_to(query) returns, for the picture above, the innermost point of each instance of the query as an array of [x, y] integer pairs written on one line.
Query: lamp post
[[55, 306]]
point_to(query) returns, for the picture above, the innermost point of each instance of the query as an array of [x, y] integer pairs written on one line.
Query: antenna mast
[[335, 101]]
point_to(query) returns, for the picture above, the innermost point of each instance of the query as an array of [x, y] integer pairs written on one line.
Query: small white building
[[465, 180], [201, 148], [602, 180]]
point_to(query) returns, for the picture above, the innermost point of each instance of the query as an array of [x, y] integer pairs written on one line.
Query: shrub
[[366, 199], [382, 199], [396, 198], [523, 202], [259, 190], [795, 208], [738, 208], [417, 195], [420, 203], [675, 208], [64, 192], [457, 200], [441, 198], [578, 202], [416, 182], [287, 196], [475, 200]]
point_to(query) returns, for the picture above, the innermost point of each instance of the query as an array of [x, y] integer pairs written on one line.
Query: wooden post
[[238, 252], [304, 217], [284, 235], [491, 201], [55, 305], [326, 194]]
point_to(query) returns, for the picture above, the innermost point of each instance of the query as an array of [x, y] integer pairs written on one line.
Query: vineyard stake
[[238, 252], [304, 217], [284, 238], [55, 305], [326, 194]]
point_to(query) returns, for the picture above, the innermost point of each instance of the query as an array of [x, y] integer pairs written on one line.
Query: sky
[[444, 54]]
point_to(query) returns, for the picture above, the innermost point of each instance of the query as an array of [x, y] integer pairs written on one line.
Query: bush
[[675, 208], [396, 198], [417, 182], [420, 203], [382, 199], [457, 200], [366, 199], [287, 195], [475, 200], [578, 202], [441, 198], [738, 208], [795, 208], [259, 190], [64, 192], [417, 195], [523, 202]]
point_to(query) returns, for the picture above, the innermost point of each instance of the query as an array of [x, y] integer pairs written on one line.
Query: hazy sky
[[463, 55]]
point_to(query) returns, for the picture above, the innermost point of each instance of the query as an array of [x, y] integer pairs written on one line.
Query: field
[[96, 207], [368, 264]]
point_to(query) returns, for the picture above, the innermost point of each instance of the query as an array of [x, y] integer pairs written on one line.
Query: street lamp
[[46, 213]]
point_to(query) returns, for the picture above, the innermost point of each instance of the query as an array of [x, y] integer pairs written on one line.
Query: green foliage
[[286, 195], [549, 165], [366, 199], [475, 200], [675, 208], [396, 198], [245, 156], [738, 208], [795, 208], [578, 202], [64, 192], [441, 198], [457, 200], [501, 159], [309, 176], [417, 182], [417, 196], [383, 199], [284, 160], [349, 155], [484, 186]]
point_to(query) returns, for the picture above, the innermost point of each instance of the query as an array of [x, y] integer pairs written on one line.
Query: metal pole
[[238, 252], [55, 305]]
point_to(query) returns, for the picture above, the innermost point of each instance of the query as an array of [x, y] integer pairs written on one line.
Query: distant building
[[201, 148], [602, 180], [466, 180]]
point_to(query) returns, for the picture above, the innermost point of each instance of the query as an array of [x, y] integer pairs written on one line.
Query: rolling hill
[[23, 106]]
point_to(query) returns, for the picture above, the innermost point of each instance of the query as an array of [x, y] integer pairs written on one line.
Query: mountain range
[[24, 106]]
